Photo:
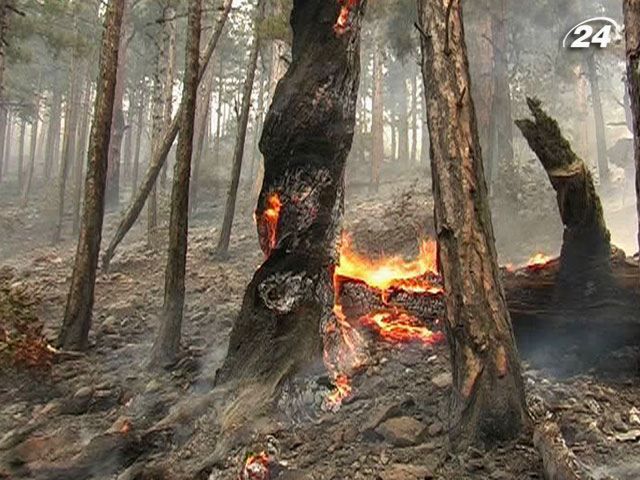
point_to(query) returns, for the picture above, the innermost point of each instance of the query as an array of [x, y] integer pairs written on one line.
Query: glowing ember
[[342, 23], [269, 222], [126, 427], [393, 324], [400, 327], [256, 467], [538, 261]]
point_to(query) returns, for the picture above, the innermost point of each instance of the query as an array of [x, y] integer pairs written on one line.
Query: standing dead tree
[[488, 402], [306, 138], [161, 151], [77, 317], [585, 259]]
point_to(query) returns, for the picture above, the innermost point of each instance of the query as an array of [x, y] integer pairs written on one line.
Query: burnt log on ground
[[585, 269], [306, 138], [559, 462]]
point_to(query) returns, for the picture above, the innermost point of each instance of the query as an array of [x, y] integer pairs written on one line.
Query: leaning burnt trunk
[[305, 142], [585, 259]]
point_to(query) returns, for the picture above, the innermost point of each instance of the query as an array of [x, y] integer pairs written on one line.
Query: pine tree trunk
[[52, 134], [601, 140], [160, 151], [501, 146], [167, 343], [169, 49], [21, 140], [202, 121], [7, 150], [585, 258], [290, 296], [128, 136], [68, 147], [222, 249], [216, 152], [118, 123], [632, 35], [488, 402], [139, 130], [26, 187], [414, 118], [403, 125], [5, 12], [377, 121], [74, 334], [81, 155]]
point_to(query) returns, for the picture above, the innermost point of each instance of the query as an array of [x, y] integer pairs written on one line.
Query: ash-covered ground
[[103, 415]]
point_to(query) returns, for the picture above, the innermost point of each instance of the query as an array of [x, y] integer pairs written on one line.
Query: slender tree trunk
[[202, 119], [488, 402], [167, 343], [222, 249], [68, 146], [377, 121], [601, 140], [157, 113], [26, 187], [53, 133], [81, 155], [216, 153], [77, 317], [632, 35], [414, 118], [128, 136], [139, 130], [5, 11], [425, 142], [118, 123], [161, 151], [290, 296], [7, 149], [403, 125], [170, 47], [21, 140]]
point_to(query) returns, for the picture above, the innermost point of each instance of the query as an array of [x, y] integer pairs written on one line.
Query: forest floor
[[104, 415]]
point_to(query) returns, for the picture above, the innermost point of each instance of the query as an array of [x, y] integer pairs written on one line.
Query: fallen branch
[[559, 461]]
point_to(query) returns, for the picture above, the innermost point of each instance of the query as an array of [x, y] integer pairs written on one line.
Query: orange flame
[[269, 222], [384, 275], [256, 467], [400, 327], [342, 23], [538, 261]]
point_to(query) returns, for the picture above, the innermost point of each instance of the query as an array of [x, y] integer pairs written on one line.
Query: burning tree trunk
[[77, 318], [167, 343], [238, 151], [632, 34], [488, 403], [585, 259], [305, 142]]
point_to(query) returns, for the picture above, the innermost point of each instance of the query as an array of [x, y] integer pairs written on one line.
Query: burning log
[[586, 249], [305, 142]]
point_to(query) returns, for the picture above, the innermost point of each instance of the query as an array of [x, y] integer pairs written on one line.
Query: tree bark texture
[[585, 258], [632, 35], [241, 134], [167, 343], [305, 141], [160, 151], [487, 403], [74, 334]]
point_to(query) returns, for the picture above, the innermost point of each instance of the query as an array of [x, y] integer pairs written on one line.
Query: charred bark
[[160, 151], [222, 249], [167, 343], [585, 259], [305, 142], [74, 334], [632, 34], [488, 403]]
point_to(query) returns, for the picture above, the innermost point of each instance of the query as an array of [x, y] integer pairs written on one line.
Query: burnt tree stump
[[585, 266], [305, 142]]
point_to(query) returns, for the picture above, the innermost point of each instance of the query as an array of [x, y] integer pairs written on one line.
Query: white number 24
[[586, 37]]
